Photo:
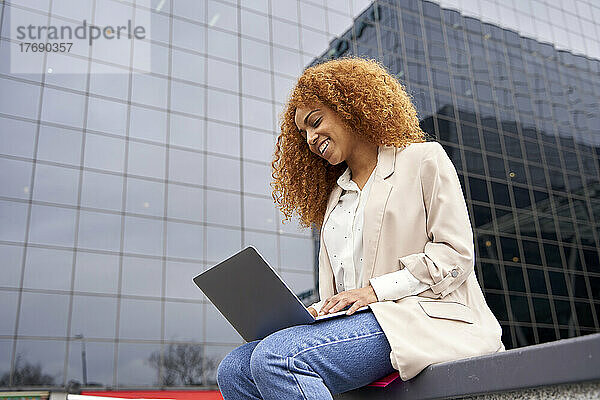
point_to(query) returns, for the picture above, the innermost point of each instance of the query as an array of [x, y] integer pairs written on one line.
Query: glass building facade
[[121, 183], [520, 121]]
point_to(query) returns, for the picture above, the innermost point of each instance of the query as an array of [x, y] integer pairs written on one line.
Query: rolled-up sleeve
[[396, 285], [448, 256]]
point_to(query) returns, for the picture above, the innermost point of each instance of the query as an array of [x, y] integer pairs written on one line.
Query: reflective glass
[[97, 273], [56, 184], [140, 319], [147, 124], [99, 231], [223, 208], [97, 324], [43, 314], [145, 197], [143, 236], [185, 240], [48, 269], [141, 276], [16, 177], [146, 160], [104, 153]]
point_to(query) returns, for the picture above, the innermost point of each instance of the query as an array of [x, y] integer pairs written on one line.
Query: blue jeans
[[308, 361]]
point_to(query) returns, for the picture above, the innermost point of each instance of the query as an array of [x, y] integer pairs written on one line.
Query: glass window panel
[[66, 71], [104, 152], [185, 202], [286, 62], [223, 74], [179, 282], [497, 305], [257, 178], [187, 98], [189, 35], [313, 16], [543, 314], [145, 197], [222, 15], [537, 282], [259, 214], [297, 253], [43, 314], [17, 137], [15, 176], [223, 208], [283, 88], [256, 83], [113, 51], [188, 66], [97, 324], [63, 107], [258, 146], [99, 231], [285, 34], [185, 240], [299, 282], [218, 329], [143, 236], [520, 309], [79, 10], [258, 114], [134, 368], [146, 160], [221, 243], [52, 225], [192, 10], [187, 132], [184, 321], [48, 354], [223, 173], [96, 272], [514, 278], [255, 25], [59, 145], [8, 312], [265, 243], [48, 269], [102, 190], [223, 106], [313, 42], [147, 124], [12, 221], [501, 194], [186, 166], [148, 56], [140, 319], [24, 98], [256, 54], [11, 257], [142, 276], [107, 116], [99, 362], [224, 139], [56, 184], [292, 226], [222, 44], [147, 89], [109, 81]]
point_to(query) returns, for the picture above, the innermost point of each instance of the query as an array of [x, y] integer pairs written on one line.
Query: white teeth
[[324, 146]]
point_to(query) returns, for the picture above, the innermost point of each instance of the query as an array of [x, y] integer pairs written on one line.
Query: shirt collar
[[345, 182]]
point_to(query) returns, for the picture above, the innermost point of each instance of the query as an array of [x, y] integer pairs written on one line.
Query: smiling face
[[325, 133]]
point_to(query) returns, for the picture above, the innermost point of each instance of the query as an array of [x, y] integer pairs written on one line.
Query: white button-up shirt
[[343, 238]]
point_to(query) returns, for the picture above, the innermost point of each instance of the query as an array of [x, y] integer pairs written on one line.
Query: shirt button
[[454, 273]]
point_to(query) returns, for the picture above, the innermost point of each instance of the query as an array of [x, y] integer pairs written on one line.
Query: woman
[[395, 235]]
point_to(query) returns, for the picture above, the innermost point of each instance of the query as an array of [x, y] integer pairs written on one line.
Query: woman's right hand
[[312, 311]]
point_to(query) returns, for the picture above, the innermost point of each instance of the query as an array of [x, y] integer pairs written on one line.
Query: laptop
[[253, 298]]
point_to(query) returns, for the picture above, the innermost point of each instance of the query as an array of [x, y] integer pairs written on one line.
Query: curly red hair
[[369, 100]]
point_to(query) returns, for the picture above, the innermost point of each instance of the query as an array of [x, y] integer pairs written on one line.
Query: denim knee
[[230, 369], [262, 360]]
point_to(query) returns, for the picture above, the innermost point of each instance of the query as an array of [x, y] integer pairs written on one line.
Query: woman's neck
[[362, 163]]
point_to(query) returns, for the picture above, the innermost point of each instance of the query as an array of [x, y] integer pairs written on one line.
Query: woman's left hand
[[357, 298]]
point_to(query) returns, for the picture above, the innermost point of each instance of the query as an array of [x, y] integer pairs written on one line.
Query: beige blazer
[[416, 218]]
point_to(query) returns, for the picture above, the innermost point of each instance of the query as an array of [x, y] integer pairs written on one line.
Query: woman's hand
[[312, 311], [356, 298]]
